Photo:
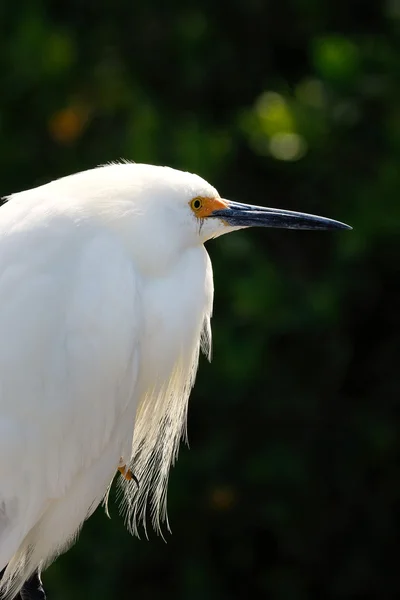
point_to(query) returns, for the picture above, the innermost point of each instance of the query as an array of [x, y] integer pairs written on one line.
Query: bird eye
[[196, 204]]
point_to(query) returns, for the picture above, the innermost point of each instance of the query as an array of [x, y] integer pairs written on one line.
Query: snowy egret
[[106, 297]]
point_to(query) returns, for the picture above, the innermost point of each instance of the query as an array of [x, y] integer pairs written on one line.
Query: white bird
[[106, 295]]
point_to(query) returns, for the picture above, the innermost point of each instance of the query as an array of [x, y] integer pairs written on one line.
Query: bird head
[[186, 206], [159, 211]]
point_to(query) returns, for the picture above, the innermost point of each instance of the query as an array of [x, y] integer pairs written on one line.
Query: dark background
[[291, 488]]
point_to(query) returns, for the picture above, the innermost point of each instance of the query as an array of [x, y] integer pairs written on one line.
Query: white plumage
[[105, 297]]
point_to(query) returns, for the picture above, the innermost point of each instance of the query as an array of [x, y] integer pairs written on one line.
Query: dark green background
[[291, 488]]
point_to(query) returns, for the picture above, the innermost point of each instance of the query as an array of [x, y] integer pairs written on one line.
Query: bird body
[[106, 295], [99, 334]]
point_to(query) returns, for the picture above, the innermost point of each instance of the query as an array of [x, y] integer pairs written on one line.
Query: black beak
[[246, 215]]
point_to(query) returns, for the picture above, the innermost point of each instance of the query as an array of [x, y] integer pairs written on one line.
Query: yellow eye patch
[[204, 207]]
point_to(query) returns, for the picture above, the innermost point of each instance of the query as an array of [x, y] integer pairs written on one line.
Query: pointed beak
[[245, 215]]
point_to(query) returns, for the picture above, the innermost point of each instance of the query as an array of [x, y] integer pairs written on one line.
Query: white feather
[[102, 310]]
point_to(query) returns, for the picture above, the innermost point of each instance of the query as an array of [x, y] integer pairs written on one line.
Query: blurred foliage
[[291, 490]]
